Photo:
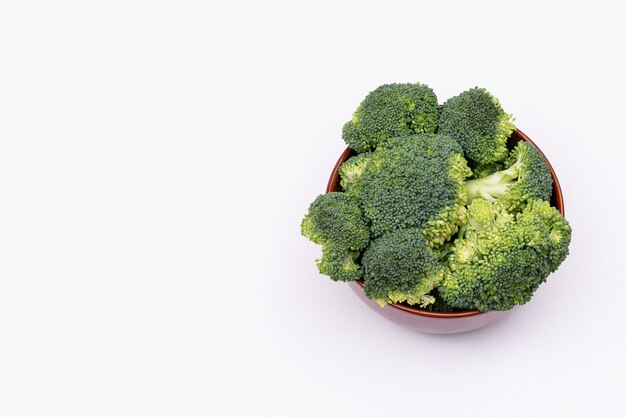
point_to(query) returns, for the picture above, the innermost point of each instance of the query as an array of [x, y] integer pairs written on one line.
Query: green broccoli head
[[335, 221], [476, 120], [350, 173], [551, 232], [483, 216], [389, 111], [400, 267], [415, 181], [339, 264], [526, 177], [503, 258]]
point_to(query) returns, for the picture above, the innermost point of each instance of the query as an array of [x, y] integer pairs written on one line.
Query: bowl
[[430, 321]]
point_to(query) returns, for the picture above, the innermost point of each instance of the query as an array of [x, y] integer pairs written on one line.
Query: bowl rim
[[557, 196]]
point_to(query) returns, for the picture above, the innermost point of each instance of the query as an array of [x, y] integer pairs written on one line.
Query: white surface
[[156, 159]]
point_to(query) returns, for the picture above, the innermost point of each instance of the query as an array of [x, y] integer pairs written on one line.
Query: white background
[[156, 159]]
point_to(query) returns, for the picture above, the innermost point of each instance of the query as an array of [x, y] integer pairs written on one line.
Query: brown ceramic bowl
[[429, 321]]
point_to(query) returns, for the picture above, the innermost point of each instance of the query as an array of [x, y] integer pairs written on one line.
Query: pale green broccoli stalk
[[526, 178], [391, 110], [400, 267], [475, 119]]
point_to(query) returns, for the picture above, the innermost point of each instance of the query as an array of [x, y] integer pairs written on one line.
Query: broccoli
[[484, 170], [475, 119], [439, 305], [400, 267], [339, 263], [389, 111], [335, 221], [526, 177], [350, 173], [552, 232], [435, 209], [502, 258], [415, 181]]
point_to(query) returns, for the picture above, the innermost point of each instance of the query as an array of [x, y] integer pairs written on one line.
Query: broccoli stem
[[462, 231], [493, 186], [426, 300]]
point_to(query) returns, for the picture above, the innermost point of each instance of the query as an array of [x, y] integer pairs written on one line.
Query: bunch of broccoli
[[435, 209]]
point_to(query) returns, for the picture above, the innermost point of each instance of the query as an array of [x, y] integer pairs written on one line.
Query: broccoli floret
[[481, 216], [339, 264], [391, 110], [526, 177], [439, 306], [484, 170], [336, 218], [335, 221], [546, 221], [476, 120], [400, 267], [351, 171], [503, 258], [416, 181]]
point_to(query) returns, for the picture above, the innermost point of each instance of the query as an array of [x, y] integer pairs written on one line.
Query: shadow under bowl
[[430, 321]]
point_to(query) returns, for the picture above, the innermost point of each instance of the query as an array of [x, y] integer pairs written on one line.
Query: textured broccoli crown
[[483, 216], [415, 181], [526, 178], [339, 264], [391, 110], [477, 121], [449, 219], [546, 231], [503, 258], [350, 173], [400, 267], [336, 218], [335, 221], [502, 280]]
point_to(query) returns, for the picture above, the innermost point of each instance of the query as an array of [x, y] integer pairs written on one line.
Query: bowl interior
[[517, 136]]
